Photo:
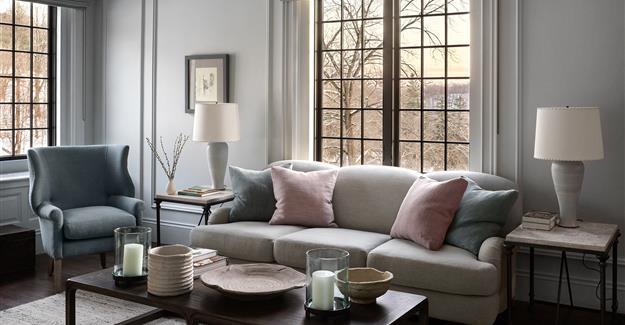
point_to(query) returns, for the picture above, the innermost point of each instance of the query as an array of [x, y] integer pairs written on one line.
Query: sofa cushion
[[291, 249], [246, 240], [450, 269], [94, 221]]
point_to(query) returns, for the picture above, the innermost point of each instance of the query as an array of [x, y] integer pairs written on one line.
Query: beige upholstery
[[248, 240], [291, 249], [450, 269]]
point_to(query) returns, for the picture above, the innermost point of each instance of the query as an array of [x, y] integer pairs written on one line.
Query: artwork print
[[206, 80]]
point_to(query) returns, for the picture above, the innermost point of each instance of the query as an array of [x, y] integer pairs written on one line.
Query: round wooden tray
[[253, 281]]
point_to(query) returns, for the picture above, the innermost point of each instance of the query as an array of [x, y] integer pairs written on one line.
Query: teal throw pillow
[[482, 214], [253, 190]]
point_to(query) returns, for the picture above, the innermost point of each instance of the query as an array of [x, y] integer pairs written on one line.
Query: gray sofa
[[460, 286]]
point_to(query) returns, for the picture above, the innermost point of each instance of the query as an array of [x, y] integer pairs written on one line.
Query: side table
[[205, 202], [589, 238]]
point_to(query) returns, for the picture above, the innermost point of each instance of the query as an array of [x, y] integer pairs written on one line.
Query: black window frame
[[51, 79]]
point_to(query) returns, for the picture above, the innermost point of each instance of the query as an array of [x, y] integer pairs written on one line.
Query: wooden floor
[[24, 288]]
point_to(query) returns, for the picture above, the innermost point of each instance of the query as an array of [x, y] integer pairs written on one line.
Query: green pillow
[[253, 190], [481, 215]]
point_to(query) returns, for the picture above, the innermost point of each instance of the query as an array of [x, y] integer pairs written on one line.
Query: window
[[392, 83], [27, 84]]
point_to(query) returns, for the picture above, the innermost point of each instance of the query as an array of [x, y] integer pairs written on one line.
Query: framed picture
[[206, 80]]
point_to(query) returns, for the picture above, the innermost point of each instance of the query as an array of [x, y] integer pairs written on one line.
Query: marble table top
[[589, 236]]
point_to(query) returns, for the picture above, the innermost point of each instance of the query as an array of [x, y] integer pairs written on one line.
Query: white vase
[[171, 188]]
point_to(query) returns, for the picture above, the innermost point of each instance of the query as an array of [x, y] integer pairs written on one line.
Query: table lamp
[[568, 136], [216, 124]]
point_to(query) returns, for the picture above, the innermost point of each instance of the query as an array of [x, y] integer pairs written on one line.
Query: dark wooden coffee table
[[208, 306]]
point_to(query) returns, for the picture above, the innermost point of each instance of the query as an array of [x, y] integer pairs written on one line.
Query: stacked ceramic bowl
[[170, 270]]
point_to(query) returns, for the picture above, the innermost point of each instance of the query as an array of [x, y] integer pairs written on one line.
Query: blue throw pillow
[[481, 215], [253, 190]]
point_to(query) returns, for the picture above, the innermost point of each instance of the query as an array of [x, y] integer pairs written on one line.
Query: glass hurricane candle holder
[[323, 267], [131, 255]]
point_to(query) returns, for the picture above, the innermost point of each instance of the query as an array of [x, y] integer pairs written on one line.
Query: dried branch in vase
[[169, 167]]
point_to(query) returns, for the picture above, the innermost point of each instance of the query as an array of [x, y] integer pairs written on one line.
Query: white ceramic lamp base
[[567, 180], [217, 156]]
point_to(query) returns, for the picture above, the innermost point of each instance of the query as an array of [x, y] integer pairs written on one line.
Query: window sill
[[13, 177]]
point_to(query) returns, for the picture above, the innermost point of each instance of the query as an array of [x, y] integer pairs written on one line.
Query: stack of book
[[539, 220], [197, 191], [205, 259]]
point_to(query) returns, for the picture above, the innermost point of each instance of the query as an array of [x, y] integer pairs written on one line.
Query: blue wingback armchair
[[81, 194]]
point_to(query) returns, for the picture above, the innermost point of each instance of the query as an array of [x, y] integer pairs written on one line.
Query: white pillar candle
[[322, 290], [133, 260]]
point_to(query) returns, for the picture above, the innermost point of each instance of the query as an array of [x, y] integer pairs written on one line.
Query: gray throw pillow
[[481, 215], [253, 190]]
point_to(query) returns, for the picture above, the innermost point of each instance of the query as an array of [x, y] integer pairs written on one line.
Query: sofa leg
[[58, 275], [51, 267], [103, 260]]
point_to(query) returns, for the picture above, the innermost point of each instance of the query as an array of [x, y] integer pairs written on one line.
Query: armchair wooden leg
[[51, 267], [103, 260], [58, 275]]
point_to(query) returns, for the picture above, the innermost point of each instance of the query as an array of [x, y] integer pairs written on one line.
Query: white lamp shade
[[216, 122], [568, 134]]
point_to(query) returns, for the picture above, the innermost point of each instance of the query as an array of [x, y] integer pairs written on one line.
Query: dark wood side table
[[589, 238], [205, 202], [17, 249]]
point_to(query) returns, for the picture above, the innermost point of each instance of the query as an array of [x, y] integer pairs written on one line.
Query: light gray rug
[[91, 308]]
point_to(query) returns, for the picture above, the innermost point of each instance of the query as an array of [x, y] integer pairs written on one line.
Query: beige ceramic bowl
[[365, 284]]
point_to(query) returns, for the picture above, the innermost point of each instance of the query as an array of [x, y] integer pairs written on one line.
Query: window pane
[[374, 33], [351, 64], [352, 94], [6, 90], [434, 31], [22, 141], [410, 31], [374, 66], [458, 5], [6, 143], [410, 63], [409, 7], [40, 116], [410, 94], [434, 126], [40, 91], [6, 11], [330, 126], [458, 29], [331, 10], [373, 124], [331, 94], [40, 65], [434, 62], [351, 123], [373, 93], [22, 64], [22, 13], [373, 8], [40, 138], [352, 9], [351, 152], [433, 157], [410, 125], [6, 116], [22, 38], [434, 94], [373, 153], [458, 157], [431, 7], [458, 126], [40, 15], [332, 36], [331, 150], [458, 94], [22, 90], [40, 40], [331, 65], [410, 155], [6, 37], [352, 34], [22, 116], [458, 61], [6, 63]]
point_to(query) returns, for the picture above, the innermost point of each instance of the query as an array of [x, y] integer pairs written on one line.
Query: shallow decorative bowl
[[253, 281], [365, 284]]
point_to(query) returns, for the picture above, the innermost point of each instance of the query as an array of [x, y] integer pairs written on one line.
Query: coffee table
[[209, 306]]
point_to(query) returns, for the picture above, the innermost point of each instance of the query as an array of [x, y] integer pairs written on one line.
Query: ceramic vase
[[171, 188]]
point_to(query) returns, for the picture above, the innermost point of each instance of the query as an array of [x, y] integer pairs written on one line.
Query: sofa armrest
[[219, 216], [51, 212], [491, 251], [128, 204]]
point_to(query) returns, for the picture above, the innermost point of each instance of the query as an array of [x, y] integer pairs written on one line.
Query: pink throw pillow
[[303, 199], [427, 211]]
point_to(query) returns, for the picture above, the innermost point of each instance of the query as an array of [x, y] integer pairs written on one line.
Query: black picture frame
[[211, 64]]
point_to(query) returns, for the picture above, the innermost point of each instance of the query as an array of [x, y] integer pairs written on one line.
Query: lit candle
[[133, 260], [322, 290]]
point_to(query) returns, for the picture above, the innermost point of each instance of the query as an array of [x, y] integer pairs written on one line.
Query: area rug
[[91, 308]]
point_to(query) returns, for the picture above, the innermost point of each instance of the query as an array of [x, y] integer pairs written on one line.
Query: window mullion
[[390, 83]]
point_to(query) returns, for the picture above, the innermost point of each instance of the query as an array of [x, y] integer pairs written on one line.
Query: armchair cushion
[[94, 222]]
